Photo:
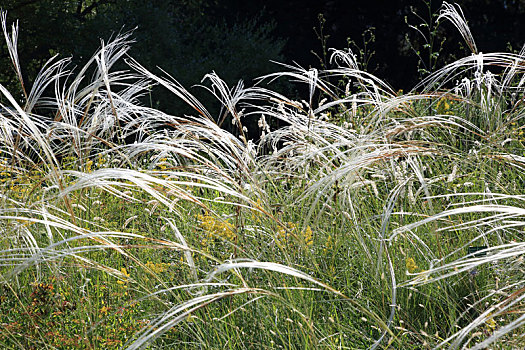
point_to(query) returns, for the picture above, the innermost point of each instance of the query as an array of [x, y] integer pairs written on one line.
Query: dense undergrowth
[[370, 219]]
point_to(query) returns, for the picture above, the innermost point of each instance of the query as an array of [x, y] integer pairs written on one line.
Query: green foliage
[[348, 227]]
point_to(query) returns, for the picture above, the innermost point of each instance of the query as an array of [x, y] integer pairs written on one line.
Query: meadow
[[363, 217]]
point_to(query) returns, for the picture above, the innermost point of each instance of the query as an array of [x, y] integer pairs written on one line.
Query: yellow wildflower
[[328, 245], [284, 231], [125, 273], [162, 164], [101, 161], [411, 265], [89, 165], [104, 310], [443, 106], [306, 235], [216, 228], [156, 268], [490, 324]]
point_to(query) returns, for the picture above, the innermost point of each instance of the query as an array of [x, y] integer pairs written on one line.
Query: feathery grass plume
[[12, 48], [327, 165], [201, 137], [385, 180], [454, 14]]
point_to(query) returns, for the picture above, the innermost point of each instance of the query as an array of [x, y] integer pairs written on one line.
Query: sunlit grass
[[374, 219]]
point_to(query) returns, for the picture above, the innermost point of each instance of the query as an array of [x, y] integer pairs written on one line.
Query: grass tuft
[[369, 219]]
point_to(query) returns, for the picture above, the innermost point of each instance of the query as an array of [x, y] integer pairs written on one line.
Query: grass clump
[[347, 227]]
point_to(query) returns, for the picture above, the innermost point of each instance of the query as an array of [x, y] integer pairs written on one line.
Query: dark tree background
[[238, 38]]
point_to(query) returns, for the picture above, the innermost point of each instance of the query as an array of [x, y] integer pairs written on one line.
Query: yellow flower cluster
[[19, 185], [18, 191], [411, 265], [104, 309], [126, 274], [70, 163], [5, 173], [490, 324], [215, 227], [162, 165], [443, 106], [306, 235], [328, 245], [89, 166], [101, 161], [157, 267]]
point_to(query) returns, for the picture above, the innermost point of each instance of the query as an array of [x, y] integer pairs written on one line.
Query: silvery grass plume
[[494, 219], [94, 117], [338, 152], [85, 119], [404, 141], [454, 14]]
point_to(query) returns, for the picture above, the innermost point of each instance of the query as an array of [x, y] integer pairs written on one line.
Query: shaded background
[[238, 38]]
